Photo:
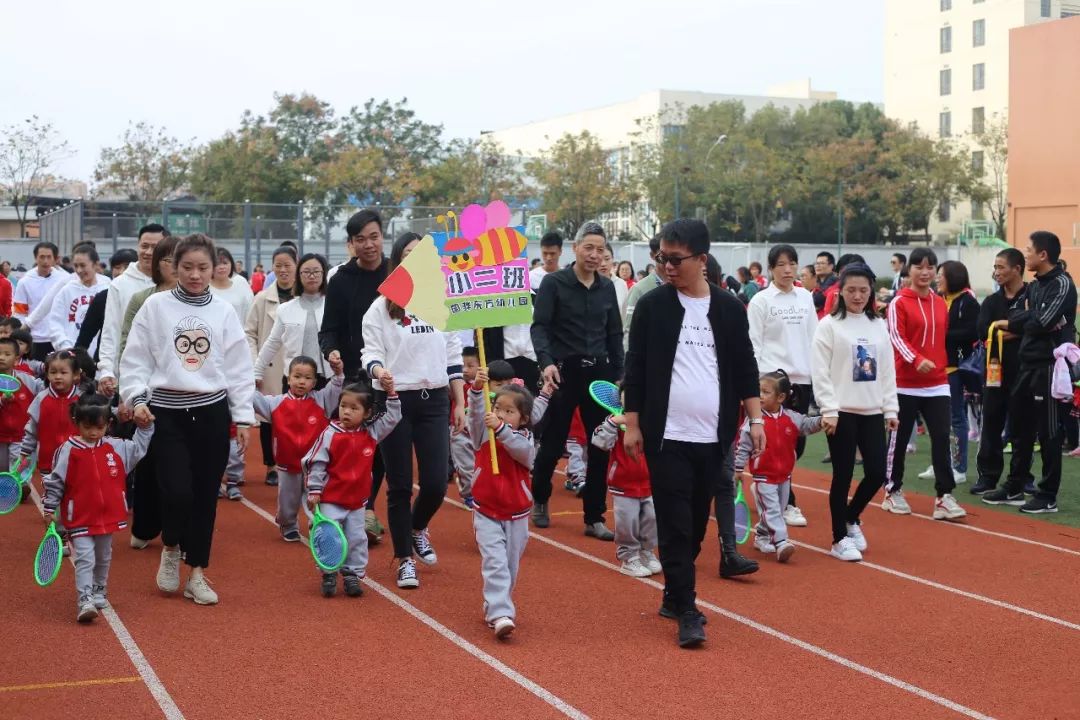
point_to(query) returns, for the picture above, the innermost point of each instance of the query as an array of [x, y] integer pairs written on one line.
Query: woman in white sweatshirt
[[230, 286], [426, 365], [71, 302], [187, 368], [297, 322], [855, 387]]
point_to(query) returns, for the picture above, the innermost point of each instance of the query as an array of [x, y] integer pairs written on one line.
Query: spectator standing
[[824, 264], [550, 253], [32, 290]]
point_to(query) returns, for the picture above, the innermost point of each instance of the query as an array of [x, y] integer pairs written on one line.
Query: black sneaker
[[667, 610], [1038, 506], [1001, 496], [291, 536], [540, 516], [691, 629], [329, 585], [733, 564], [353, 588], [271, 478], [982, 486]]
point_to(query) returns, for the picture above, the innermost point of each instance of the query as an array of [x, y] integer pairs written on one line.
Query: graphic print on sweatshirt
[[864, 360], [192, 342]]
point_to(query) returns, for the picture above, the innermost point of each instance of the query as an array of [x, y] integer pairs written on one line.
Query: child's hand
[[123, 411], [548, 389], [47, 516], [386, 382], [314, 499], [492, 421], [618, 419], [336, 364], [143, 416], [481, 378]]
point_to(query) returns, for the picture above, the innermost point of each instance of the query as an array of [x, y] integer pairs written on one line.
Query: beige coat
[[260, 321]]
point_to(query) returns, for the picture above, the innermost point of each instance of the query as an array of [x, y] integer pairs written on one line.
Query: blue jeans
[[958, 410]]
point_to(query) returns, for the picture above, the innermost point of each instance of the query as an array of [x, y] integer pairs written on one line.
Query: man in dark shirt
[[577, 336]]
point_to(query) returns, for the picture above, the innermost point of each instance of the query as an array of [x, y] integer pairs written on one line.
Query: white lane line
[[773, 632], [142, 665], [956, 591], [965, 526], [491, 661]]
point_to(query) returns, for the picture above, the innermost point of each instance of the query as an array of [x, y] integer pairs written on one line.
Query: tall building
[[947, 70]]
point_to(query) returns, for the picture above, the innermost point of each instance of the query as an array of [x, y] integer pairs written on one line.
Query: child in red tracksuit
[[298, 418], [635, 516], [49, 423], [503, 500], [14, 408], [771, 471], [87, 485], [337, 470]]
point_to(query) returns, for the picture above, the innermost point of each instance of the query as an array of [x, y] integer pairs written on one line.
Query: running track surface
[[939, 621]]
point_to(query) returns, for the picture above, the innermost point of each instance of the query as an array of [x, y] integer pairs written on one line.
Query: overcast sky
[[194, 66]]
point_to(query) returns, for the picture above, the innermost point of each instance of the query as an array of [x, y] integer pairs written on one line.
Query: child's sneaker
[[793, 517], [421, 543], [854, 531], [329, 585], [946, 508], [353, 588], [784, 551], [762, 544], [198, 589], [220, 493], [87, 611], [168, 576], [650, 562], [468, 502], [574, 483], [634, 568], [291, 536], [406, 574], [896, 503], [373, 528], [503, 627], [845, 550], [233, 493], [98, 596]]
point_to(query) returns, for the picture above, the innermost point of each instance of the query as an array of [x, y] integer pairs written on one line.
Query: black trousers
[[40, 350], [1034, 413], [724, 500], [867, 434], [573, 393], [424, 427], [991, 458], [937, 412], [266, 440], [685, 478], [190, 450], [146, 501]]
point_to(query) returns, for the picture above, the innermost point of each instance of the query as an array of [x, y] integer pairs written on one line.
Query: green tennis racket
[[327, 542], [24, 469], [742, 514], [10, 492], [50, 554], [9, 385], [607, 396]]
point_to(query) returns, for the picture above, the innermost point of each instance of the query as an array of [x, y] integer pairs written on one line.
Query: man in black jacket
[[682, 407], [1047, 320]]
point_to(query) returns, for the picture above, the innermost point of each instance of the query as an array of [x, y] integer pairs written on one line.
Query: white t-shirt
[[536, 275], [694, 401]]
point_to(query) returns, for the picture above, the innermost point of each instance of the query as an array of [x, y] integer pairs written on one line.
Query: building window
[[978, 33], [945, 82], [977, 210], [945, 124], [1044, 8], [943, 211], [946, 5], [946, 39], [977, 161], [978, 76], [978, 120]]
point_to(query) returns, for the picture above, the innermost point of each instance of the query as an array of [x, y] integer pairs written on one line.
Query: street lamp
[[719, 141]]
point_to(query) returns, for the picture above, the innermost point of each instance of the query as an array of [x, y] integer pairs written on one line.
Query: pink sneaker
[[1074, 452]]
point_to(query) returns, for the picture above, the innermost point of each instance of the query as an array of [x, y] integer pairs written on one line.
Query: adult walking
[[71, 303], [257, 327], [426, 365], [855, 385], [31, 292], [682, 407], [94, 320], [192, 392], [296, 325], [577, 335], [231, 286]]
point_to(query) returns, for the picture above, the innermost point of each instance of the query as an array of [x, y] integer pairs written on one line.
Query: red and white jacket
[[917, 327], [338, 465], [508, 495], [625, 476], [782, 433], [87, 482], [15, 410], [48, 425], [296, 422]]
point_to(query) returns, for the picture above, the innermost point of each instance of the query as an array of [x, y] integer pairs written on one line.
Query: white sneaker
[[634, 568], [784, 551], [855, 534], [168, 574], [958, 477], [99, 598], [421, 543], [762, 544], [896, 503], [502, 626], [137, 543], [793, 517], [650, 562], [406, 574], [927, 474], [87, 612], [946, 508], [911, 449], [198, 589], [845, 550]]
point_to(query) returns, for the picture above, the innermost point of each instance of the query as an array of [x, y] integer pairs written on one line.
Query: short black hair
[[45, 245], [304, 360], [360, 220], [91, 409], [196, 242], [298, 287], [12, 322], [901, 257], [756, 264], [500, 371], [848, 258], [713, 272], [63, 356], [523, 401], [551, 239], [654, 245], [780, 380], [691, 234], [10, 340], [23, 335], [920, 254], [1012, 257], [777, 250], [152, 228], [123, 257], [470, 351], [1042, 240], [164, 249], [289, 243], [362, 392], [956, 276], [828, 256]]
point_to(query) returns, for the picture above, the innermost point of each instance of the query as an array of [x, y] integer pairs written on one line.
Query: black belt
[[583, 361]]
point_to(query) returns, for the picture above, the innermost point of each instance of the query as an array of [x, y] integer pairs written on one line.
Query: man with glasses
[[577, 336], [826, 278]]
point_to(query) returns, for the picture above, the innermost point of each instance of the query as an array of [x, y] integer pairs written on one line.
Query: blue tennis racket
[[327, 542], [50, 554]]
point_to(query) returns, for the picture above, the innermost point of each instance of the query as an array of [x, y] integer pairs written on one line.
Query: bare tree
[[27, 151], [994, 143]]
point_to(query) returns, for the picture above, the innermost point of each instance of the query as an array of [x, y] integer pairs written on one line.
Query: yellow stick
[[487, 399]]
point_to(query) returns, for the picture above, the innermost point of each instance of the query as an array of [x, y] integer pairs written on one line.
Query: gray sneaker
[[234, 493], [599, 531], [98, 596], [168, 574], [87, 611], [540, 517]]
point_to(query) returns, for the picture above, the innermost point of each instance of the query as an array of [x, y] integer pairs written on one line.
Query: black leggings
[[190, 450], [424, 426], [867, 433], [937, 412]]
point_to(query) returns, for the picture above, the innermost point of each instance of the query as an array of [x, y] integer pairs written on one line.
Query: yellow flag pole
[[487, 399]]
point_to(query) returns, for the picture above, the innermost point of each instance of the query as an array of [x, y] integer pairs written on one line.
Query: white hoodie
[[419, 356], [120, 293], [69, 307]]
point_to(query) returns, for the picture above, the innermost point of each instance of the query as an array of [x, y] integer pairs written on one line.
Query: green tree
[[149, 164], [28, 150], [991, 188], [473, 171]]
